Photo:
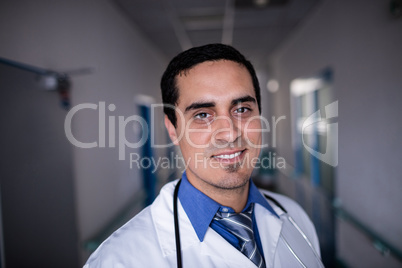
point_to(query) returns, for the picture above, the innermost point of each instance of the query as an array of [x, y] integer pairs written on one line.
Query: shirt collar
[[201, 209]]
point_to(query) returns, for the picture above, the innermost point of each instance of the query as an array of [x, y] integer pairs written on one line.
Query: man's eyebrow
[[197, 105], [243, 99]]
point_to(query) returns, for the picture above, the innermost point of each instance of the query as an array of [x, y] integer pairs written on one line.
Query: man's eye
[[202, 116], [242, 110]]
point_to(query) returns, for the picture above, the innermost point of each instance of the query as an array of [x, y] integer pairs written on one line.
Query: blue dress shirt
[[201, 210]]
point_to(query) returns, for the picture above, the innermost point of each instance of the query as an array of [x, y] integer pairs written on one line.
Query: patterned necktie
[[241, 225]]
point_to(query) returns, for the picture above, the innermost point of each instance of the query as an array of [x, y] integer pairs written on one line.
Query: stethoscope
[[290, 219]]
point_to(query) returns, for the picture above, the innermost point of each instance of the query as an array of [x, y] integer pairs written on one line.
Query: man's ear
[[171, 130]]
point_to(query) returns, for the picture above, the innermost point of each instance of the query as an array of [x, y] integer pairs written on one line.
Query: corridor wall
[[94, 35], [360, 41]]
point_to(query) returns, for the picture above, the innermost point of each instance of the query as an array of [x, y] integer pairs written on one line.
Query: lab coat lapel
[[162, 213], [216, 246], [269, 228]]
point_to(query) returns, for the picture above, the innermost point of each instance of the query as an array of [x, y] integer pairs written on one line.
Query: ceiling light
[[261, 3], [272, 85]]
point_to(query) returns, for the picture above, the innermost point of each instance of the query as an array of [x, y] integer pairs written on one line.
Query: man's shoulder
[[134, 241], [124, 241]]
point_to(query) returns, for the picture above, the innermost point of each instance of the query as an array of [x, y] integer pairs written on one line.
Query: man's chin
[[232, 168], [232, 183], [232, 176]]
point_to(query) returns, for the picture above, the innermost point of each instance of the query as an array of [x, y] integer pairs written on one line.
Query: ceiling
[[254, 27]]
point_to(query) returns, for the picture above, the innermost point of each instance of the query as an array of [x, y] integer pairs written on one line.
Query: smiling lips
[[229, 157]]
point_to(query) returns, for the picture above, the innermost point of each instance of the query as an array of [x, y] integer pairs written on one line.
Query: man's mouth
[[229, 156]]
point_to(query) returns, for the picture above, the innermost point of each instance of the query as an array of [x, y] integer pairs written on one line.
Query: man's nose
[[227, 130]]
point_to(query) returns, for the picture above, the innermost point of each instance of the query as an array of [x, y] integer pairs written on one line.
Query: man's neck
[[234, 198]]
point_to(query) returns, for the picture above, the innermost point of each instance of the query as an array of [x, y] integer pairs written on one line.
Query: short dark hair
[[191, 57]]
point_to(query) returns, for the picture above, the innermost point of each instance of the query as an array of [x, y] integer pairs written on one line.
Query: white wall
[[68, 35], [362, 43]]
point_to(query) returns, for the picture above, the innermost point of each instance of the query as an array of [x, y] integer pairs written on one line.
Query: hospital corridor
[[86, 146]]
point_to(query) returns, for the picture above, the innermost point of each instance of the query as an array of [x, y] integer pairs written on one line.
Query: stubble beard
[[233, 179], [232, 168]]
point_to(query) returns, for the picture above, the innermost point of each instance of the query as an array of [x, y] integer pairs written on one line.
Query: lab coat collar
[[163, 220], [269, 226], [201, 209]]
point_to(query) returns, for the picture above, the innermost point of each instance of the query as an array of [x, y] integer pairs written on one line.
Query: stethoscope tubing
[[176, 225]]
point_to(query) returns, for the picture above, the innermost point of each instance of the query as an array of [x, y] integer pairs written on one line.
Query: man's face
[[218, 124]]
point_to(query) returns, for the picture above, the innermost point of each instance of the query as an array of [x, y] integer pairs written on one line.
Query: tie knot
[[224, 213], [240, 224]]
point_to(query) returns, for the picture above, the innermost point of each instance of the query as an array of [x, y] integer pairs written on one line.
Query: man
[[212, 106]]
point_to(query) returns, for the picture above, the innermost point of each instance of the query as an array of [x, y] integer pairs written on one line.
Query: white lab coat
[[148, 240]]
